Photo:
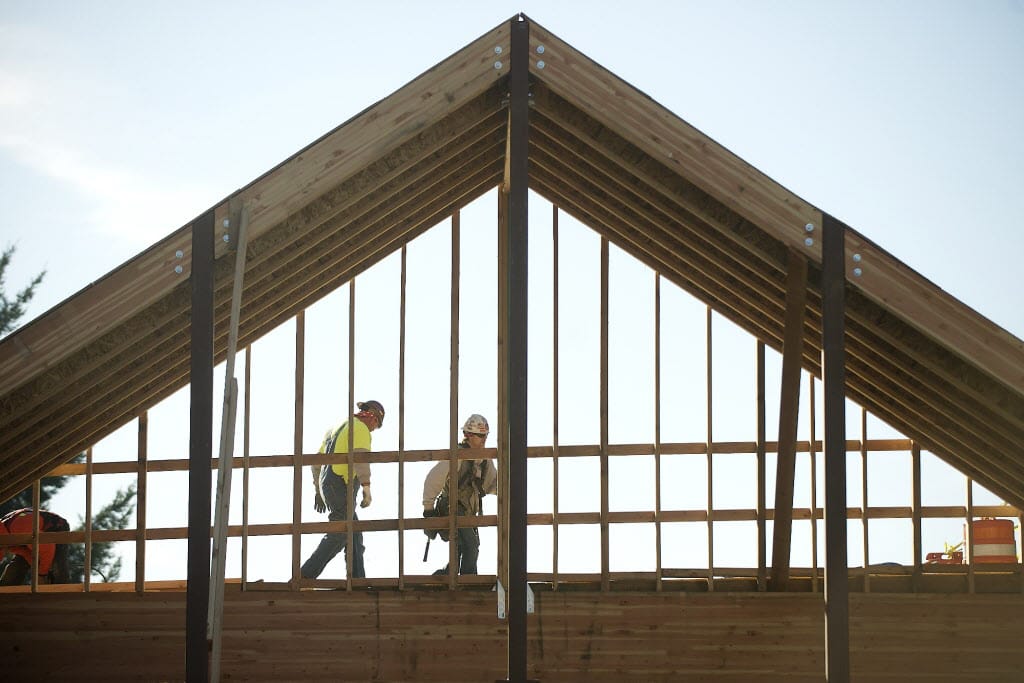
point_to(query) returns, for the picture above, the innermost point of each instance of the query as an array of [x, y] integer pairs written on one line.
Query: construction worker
[[477, 478], [331, 484], [53, 557]]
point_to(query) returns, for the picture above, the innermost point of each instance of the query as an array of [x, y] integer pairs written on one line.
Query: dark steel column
[[833, 372], [200, 443], [517, 289]]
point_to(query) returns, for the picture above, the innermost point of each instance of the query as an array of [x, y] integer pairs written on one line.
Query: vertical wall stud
[[554, 397], [709, 448], [350, 490], [915, 464], [401, 423], [245, 466], [605, 550], [453, 405], [140, 504], [762, 540], [864, 496], [657, 433], [87, 569], [300, 374]]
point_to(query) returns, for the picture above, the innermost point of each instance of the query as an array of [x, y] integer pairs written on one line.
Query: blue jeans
[[467, 549], [335, 493]]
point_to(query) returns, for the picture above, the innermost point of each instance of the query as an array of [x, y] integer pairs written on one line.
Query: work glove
[[318, 503], [430, 533], [367, 498]]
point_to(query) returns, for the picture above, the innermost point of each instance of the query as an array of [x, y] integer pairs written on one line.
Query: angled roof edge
[[669, 139], [271, 198], [445, 130]]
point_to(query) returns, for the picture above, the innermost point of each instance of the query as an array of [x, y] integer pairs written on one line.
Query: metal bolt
[[497, 65], [540, 64], [856, 258], [497, 49], [540, 49], [178, 269], [857, 272], [809, 241], [226, 222], [179, 254], [226, 237], [809, 227]]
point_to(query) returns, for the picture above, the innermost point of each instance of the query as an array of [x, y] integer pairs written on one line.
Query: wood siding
[[573, 636]]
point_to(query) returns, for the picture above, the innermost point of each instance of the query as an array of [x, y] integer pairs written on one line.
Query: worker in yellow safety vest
[[331, 484]]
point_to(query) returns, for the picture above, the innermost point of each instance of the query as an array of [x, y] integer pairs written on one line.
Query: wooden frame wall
[[915, 513], [709, 449]]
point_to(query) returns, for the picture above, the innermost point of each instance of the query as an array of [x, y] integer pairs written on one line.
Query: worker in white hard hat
[[477, 478]]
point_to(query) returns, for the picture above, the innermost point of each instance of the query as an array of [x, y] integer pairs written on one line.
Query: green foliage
[[115, 515], [11, 310], [105, 562], [48, 488]]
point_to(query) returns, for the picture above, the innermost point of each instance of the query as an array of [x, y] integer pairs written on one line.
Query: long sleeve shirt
[[484, 479]]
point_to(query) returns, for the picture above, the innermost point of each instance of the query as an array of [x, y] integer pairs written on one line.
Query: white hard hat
[[476, 424]]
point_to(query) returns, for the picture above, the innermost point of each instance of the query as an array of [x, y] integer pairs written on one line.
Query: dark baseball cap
[[376, 407]]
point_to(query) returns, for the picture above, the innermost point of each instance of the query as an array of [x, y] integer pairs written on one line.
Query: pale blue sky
[[120, 121]]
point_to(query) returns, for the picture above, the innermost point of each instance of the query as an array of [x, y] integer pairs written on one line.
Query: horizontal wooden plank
[[430, 634]]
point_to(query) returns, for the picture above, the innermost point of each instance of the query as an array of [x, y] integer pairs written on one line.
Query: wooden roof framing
[[599, 149]]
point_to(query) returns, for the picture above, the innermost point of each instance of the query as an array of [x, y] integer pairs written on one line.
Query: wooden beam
[[140, 514], [657, 430], [246, 433], [554, 395], [171, 373], [864, 498], [915, 483], [222, 503], [299, 380], [272, 260], [603, 415], [401, 418], [762, 485], [709, 458], [789, 412], [453, 406], [141, 498], [945, 422], [350, 489]]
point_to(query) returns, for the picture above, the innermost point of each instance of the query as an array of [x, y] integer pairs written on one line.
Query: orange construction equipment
[[948, 557], [994, 541]]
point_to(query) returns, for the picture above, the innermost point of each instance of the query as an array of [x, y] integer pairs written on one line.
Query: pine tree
[[12, 309], [115, 515], [105, 563]]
